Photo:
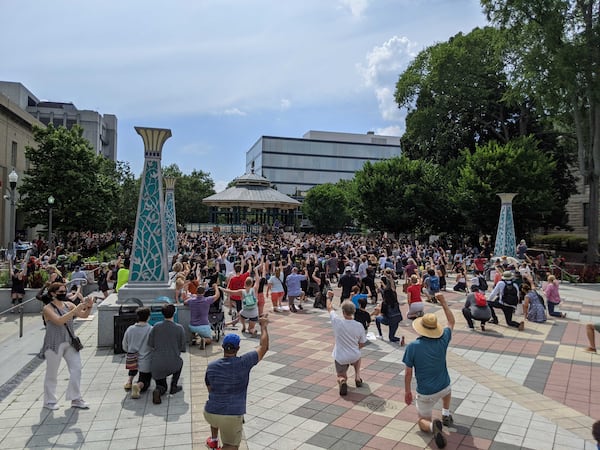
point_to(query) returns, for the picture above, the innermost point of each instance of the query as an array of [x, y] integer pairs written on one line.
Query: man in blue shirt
[[227, 383], [426, 356], [294, 288]]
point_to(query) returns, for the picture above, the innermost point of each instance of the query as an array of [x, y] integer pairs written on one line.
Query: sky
[[222, 73]]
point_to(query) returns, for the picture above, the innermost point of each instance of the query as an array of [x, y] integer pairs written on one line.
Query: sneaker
[[156, 397], [420, 313], [127, 386], [51, 406], [438, 434], [470, 328], [175, 389], [448, 421], [380, 337], [135, 391], [211, 443], [343, 388], [79, 404], [494, 321]]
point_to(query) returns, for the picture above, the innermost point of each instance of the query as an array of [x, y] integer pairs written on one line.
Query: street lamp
[[13, 178], [50, 238]]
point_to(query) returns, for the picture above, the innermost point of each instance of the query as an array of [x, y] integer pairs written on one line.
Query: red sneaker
[[210, 443]]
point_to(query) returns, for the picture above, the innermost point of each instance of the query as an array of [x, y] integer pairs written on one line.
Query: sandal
[[300, 306], [358, 382], [343, 387]]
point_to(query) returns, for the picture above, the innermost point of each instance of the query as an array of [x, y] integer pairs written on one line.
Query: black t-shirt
[[363, 317]]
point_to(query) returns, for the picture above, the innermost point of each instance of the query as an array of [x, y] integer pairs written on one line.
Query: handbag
[[75, 341], [131, 361]]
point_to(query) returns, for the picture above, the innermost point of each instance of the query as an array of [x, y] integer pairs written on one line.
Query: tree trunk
[[593, 209]]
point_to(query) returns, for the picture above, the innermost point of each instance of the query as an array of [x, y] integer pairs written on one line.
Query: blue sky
[[222, 73]]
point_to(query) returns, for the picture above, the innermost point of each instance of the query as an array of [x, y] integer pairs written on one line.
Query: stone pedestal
[[506, 243]]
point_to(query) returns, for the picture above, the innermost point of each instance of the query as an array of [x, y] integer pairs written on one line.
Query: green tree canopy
[[555, 50], [84, 185], [327, 207], [400, 195], [517, 166]]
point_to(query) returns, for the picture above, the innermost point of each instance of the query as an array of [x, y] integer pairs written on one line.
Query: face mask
[[62, 297]]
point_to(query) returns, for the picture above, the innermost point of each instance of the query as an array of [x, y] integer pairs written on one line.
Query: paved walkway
[[534, 389]]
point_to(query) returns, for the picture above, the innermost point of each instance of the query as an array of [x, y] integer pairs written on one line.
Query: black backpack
[[510, 295], [482, 283]]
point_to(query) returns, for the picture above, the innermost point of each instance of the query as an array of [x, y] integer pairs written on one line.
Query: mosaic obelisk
[[506, 243], [149, 270], [170, 217]]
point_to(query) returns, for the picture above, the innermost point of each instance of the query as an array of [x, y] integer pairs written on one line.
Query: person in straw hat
[[426, 356]]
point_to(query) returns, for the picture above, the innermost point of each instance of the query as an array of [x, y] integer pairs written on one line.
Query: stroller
[[216, 316]]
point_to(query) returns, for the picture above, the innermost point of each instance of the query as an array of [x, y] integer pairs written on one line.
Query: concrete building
[[295, 165], [100, 130]]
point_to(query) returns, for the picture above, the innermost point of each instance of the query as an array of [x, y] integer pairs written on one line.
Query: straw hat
[[428, 326]]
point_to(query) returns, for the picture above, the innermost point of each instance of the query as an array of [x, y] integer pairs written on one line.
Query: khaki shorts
[[230, 427], [425, 403]]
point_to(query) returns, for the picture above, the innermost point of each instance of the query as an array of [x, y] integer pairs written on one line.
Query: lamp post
[[13, 178], [50, 238]]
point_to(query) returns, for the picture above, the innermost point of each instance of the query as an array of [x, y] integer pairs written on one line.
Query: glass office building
[[294, 165]]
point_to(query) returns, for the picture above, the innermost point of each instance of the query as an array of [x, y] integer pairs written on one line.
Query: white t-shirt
[[348, 334]]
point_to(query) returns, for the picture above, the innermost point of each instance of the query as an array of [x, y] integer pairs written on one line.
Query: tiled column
[[170, 217], [506, 243]]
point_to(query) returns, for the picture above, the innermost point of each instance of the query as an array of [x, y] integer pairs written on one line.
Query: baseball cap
[[231, 342]]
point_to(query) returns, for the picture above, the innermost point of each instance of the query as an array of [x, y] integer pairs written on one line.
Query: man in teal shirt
[[426, 356]]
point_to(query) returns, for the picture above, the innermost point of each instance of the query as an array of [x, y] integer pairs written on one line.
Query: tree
[[326, 206], [401, 195], [514, 167], [126, 205], [556, 55], [460, 95], [189, 192], [84, 185]]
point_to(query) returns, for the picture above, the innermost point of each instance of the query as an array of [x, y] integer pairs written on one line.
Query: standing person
[[199, 307], [236, 282], [347, 281], [294, 290], [349, 339], [59, 315], [167, 340], [275, 286], [103, 279], [17, 290], [135, 340], [249, 304], [553, 296], [426, 356], [227, 383], [505, 296], [476, 306], [122, 275], [590, 329]]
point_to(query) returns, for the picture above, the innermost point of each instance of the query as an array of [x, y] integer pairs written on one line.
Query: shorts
[[341, 369], [425, 403], [204, 331], [415, 307], [230, 427], [251, 319], [276, 296]]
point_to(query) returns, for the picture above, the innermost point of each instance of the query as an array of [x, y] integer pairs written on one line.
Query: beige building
[[15, 134]]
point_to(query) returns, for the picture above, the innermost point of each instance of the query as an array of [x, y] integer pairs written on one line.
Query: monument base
[[147, 293]]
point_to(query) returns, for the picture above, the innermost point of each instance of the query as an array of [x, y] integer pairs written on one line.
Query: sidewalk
[[534, 389]]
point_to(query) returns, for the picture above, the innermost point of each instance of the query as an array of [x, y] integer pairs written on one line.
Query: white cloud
[[234, 112], [285, 104], [383, 66], [221, 185], [392, 130], [356, 7]]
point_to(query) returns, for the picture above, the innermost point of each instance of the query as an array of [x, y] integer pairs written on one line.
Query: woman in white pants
[[59, 315]]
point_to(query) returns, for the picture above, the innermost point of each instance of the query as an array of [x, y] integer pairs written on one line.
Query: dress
[[536, 311]]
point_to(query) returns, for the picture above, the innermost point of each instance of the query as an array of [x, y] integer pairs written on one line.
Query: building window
[[586, 213], [13, 154]]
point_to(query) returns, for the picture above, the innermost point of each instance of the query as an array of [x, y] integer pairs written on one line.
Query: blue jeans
[[551, 311], [392, 323]]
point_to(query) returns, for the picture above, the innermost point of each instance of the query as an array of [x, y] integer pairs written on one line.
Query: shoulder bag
[[75, 341]]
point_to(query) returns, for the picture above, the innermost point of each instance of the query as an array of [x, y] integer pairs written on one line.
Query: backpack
[[434, 283], [482, 283], [249, 301], [510, 296], [319, 301], [480, 299]]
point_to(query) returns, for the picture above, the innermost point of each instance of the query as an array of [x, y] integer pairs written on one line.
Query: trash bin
[[123, 320]]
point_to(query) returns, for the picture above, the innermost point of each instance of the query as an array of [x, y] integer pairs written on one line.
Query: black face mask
[[61, 297]]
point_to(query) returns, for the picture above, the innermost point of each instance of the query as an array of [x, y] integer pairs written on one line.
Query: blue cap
[[231, 342]]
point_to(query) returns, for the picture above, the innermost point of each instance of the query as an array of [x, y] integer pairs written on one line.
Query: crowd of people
[[372, 274]]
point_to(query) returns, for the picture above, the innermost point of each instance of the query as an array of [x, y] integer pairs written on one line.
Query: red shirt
[[413, 293], [237, 282], [479, 263]]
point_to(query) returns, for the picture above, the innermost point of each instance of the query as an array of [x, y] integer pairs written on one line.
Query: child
[[135, 341], [362, 315]]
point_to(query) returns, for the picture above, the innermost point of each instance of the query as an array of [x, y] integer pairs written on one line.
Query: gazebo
[[252, 201]]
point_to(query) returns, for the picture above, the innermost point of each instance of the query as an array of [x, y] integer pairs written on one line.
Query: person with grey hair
[[349, 339]]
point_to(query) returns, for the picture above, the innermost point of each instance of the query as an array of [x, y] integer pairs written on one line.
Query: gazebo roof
[[251, 191]]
